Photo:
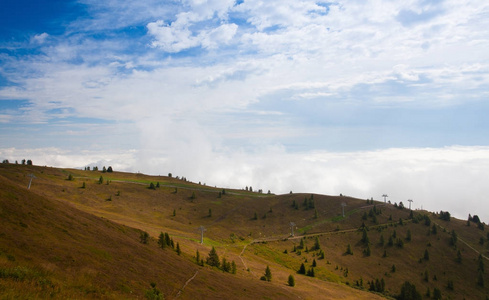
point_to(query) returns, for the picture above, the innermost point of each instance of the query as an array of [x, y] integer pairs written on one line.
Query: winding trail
[[186, 283], [242, 260]]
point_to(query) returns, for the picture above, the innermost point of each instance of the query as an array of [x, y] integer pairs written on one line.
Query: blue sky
[[311, 96]]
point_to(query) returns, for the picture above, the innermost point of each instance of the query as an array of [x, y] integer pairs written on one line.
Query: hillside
[[80, 238]]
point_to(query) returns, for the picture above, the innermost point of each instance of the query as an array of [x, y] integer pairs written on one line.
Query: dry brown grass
[[74, 243]]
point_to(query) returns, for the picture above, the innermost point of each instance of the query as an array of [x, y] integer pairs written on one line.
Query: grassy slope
[[49, 248], [230, 228]]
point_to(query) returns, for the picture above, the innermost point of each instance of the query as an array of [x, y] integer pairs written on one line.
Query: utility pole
[[30, 181], [343, 204], [202, 229], [410, 200], [292, 225], [385, 196]]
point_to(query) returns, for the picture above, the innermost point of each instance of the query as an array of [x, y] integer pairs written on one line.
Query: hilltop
[[78, 234]]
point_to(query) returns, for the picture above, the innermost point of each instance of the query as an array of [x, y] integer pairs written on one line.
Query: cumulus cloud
[[177, 37]]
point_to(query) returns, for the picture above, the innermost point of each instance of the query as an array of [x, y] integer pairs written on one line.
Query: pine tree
[[450, 285], [233, 267], [213, 258], [436, 294], [268, 274], [480, 279], [224, 265], [459, 257], [426, 255], [434, 229], [400, 243], [178, 249], [302, 269], [409, 292], [197, 256], [143, 237], [349, 250], [368, 251], [167, 239], [453, 238], [162, 242], [314, 264], [365, 238], [317, 246], [408, 235], [291, 280], [480, 264]]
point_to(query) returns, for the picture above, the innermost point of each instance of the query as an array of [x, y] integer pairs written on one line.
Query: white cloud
[[218, 36], [39, 38], [173, 38]]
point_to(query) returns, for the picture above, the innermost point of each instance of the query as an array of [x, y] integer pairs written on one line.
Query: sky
[[362, 98]]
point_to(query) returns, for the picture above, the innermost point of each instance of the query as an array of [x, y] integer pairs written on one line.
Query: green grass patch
[[20, 273], [274, 255], [100, 253]]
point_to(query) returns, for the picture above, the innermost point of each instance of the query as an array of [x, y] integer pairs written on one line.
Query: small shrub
[[153, 293]]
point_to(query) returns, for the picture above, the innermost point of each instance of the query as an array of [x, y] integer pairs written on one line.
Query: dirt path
[[242, 260], [186, 283]]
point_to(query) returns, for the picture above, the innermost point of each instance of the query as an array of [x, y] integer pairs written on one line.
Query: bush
[[153, 293]]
